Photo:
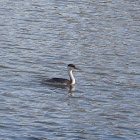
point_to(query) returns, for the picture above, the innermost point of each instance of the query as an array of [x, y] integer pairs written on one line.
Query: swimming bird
[[62, 81]]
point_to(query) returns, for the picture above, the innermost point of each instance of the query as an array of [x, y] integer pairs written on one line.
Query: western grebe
[[62, 81]]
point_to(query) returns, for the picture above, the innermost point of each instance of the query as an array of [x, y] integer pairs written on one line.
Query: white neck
[[71, 76]]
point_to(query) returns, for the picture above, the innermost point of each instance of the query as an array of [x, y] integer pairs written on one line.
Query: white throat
[[71, 76]]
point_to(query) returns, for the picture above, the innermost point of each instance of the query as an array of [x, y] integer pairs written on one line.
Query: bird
[[62, 81]]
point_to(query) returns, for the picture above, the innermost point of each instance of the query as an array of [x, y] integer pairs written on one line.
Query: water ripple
[[38, 40]]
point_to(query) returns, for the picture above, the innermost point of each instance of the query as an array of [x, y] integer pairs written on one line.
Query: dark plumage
[[58, 81], [71, 65]]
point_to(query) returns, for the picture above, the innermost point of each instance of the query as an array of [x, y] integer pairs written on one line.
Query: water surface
[[37, 41]]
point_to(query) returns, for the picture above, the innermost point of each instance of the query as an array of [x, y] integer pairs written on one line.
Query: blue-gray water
[[38, 38]]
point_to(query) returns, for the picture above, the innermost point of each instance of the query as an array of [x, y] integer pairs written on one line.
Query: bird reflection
[[71, 90]]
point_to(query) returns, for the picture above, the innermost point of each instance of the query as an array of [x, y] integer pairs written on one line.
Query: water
[[37, 41]]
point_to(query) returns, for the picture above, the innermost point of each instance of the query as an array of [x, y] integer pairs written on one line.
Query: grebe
[[62, 81]]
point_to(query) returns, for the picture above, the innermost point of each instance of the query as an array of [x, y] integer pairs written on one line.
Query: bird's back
[[58, 81]]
